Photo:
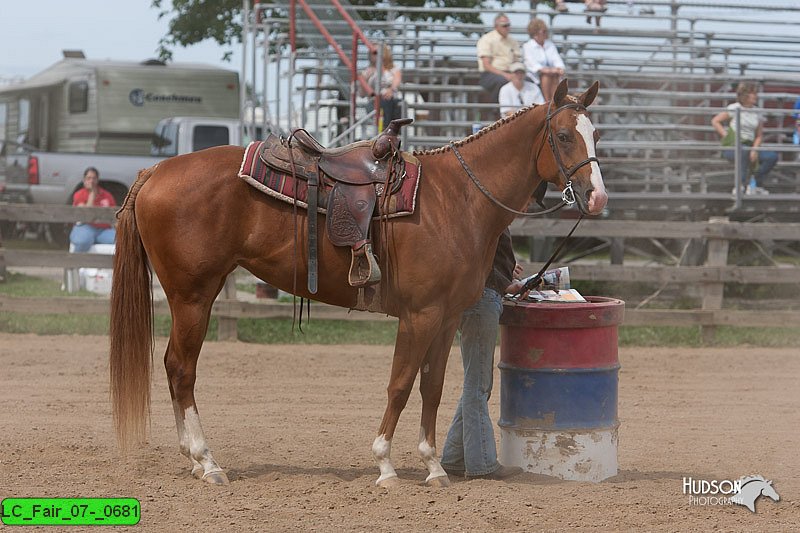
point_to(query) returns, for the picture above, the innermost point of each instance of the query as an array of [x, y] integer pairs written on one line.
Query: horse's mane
[[748, 479], [491, 127]]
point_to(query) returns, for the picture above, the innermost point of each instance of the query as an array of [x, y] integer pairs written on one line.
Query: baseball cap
[[516, 66]]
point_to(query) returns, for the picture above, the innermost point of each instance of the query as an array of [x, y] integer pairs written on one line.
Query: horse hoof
[[438, 481], [388, 483], [216, 478]]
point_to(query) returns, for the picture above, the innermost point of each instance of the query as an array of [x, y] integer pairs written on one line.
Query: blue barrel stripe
[[548, 399]]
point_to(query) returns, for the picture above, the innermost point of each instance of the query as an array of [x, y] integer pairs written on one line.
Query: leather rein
[[567, 195]]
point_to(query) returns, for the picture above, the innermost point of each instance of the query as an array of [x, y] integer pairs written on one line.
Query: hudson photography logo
[[743, 491]]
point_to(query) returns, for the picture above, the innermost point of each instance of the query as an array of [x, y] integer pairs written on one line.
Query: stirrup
[[364, 269]]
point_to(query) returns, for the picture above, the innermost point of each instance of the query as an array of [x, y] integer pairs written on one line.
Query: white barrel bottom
[[588, 455]]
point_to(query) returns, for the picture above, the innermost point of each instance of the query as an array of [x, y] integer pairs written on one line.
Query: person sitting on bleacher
[[519, 92], [496, 51], [84, 235], [757, 163], [542, 60]]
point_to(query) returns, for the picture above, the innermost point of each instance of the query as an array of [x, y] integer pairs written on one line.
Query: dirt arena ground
[[293, 426]]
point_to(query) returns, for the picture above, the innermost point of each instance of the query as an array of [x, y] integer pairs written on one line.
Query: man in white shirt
[[542, 60], [519, 92], [496, 51]]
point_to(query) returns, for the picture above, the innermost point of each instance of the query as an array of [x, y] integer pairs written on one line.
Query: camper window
[[78, 97], [208, 136]]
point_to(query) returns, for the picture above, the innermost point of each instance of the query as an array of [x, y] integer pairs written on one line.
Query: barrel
[[559, 370]]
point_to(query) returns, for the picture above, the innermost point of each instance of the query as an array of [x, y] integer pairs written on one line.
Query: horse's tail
[[131, 326]]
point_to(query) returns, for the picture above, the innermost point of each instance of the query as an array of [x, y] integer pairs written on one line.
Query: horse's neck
[[504, 161]]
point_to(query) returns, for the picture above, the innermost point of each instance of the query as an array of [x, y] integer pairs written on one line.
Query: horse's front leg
[[414, 335], [430, 387]]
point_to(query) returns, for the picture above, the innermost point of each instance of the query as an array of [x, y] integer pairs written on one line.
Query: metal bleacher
[[666, 67]]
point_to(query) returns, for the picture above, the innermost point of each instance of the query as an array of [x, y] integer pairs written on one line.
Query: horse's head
[[769, 491], [572, 137]]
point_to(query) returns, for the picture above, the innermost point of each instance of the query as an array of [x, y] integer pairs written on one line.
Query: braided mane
[[491, 127]]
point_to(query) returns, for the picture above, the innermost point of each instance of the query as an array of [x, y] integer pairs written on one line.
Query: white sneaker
[[760, 190]]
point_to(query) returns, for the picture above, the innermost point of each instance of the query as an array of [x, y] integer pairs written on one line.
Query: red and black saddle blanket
[[284, 187]]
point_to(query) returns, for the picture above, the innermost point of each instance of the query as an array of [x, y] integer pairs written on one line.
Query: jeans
[[391, 110], [83, 236], [766, 160], [470, 442]]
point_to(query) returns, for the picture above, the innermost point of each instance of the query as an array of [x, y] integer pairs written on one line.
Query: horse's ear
[[561, 93], [588, 97]]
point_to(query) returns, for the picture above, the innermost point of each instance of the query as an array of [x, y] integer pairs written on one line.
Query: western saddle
[[355, 176]]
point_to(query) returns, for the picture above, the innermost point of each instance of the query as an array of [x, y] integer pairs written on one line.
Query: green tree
[[193, 21]]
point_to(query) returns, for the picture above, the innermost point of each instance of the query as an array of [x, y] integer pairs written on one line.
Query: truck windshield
[[165, 141]]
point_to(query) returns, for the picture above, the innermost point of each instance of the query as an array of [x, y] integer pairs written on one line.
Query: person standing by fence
[[84, 235]]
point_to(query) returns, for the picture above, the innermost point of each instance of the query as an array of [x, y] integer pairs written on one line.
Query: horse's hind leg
[[189, 324], [430, 387]]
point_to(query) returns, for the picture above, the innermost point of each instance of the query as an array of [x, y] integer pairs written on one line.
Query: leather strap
[[313, 202]]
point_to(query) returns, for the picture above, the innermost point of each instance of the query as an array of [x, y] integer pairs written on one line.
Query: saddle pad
[[284, 187]]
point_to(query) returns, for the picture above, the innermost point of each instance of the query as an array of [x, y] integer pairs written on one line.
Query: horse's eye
[[563, 137]]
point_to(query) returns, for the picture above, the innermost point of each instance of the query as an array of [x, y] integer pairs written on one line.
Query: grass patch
[[279, 331], [22, 286], [656, 336]]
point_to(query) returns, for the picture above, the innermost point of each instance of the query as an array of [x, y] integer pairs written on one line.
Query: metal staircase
[[312, 68]]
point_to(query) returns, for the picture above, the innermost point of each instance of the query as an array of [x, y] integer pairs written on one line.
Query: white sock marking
[[381, 450], [428, 454]]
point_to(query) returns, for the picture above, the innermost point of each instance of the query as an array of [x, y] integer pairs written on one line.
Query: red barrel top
[[552, 335], [596, 312]]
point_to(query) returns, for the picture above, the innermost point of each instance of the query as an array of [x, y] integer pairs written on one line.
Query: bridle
[[567, 195]]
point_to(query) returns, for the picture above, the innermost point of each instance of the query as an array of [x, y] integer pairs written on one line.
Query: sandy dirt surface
[[293, 426]]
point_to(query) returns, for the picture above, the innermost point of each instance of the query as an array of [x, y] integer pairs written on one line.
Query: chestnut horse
[[196, 221]]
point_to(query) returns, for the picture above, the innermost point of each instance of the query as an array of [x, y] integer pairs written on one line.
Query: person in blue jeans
[[470, 449], [751, 131]]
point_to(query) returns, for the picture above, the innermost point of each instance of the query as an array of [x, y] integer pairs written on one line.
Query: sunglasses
[[505, 25]]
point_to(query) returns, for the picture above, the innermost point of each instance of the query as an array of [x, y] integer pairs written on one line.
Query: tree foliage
[[193, 21]]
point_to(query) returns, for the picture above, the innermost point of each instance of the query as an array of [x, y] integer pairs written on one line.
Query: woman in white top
[[751, 130], [542, 60], [519, 92]]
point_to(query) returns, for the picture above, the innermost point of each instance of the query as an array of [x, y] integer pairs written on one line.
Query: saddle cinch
[[354, 176]]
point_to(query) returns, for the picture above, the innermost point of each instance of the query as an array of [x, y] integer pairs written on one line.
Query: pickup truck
[[52, 177]]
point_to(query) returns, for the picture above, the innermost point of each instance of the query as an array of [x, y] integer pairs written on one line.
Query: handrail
[[349, 62]]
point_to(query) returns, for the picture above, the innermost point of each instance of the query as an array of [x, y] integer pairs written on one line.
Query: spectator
[[469, 449], [84, 235], [544, 64], [390, 80], [496, 51], [594, 8], [519, 92], [751, 135]]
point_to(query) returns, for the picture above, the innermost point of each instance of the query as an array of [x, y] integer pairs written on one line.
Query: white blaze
[[599, 196]]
